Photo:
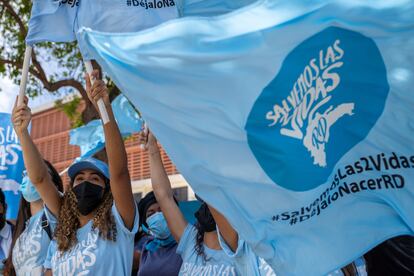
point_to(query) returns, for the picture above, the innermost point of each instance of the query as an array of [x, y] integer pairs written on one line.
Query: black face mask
[[205, 218], [89, 196]]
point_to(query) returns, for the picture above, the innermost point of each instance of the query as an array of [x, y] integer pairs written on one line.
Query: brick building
[[50, 132]]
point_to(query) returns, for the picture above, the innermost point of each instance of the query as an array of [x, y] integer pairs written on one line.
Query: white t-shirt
[[30, 249]]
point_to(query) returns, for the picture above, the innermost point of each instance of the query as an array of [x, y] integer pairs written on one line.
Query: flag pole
[[64, 171], [101, 104], [142, 146], [25, 74]]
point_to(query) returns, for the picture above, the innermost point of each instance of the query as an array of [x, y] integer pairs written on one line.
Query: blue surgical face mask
[[158, 227], [28, 190]]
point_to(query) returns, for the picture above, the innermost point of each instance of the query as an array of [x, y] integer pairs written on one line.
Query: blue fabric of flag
[[188, 208], [52, 20], [11, 165], [91, 139], [128, 119], [209, 7], [292, 118], [59, 20], [122, 16], [136, 15]]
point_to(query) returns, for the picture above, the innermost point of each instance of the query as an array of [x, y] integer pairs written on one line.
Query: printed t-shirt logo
[[327, 96]]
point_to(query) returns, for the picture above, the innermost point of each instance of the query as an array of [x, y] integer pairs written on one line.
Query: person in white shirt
[[5, 232]]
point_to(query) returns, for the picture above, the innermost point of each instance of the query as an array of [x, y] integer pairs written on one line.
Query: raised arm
[[117, 158], [33, 161], [229, 234], [162, 188]]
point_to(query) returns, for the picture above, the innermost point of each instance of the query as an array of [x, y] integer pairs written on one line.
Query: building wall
[[50, 132]]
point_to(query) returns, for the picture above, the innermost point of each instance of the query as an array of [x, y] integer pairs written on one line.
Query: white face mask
[[158, 227], [28, 190]]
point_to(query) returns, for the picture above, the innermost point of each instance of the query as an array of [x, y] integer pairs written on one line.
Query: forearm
[[118, 169], [115, 149], [38, 173], [159, 178], [164, 194], [33, 161], [163, 191], [35, 166]]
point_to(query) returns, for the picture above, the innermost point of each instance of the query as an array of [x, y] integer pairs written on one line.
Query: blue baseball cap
[[88, 164]]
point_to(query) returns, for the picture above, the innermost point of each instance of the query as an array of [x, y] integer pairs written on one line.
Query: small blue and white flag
[[11, 165], [91, 139], [293, 118]]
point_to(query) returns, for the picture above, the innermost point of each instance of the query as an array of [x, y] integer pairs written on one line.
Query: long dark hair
[[349, 270], [205, 223], [199, 239], [24, 215], [392, 257]]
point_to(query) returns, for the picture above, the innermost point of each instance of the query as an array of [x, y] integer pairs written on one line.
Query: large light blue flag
[[11, 165], [136, 15], [52, 20], [293, 118], [122, 16], [209, 7], [59, 20], [91, 139]]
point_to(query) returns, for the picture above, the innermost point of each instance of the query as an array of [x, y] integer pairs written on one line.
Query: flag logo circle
[[329, 93]]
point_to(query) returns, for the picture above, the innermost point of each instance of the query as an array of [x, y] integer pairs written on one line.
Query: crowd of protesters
[[95, 227]]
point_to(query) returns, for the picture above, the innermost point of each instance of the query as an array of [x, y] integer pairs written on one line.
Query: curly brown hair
[[68, 222]]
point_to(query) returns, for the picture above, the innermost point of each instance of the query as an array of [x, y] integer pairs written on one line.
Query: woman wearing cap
[[158, 252], [198, 245], [33, 232], [97, 216]]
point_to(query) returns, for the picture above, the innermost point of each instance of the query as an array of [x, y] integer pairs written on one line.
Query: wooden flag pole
[[142, 146], [25, 74], [101, 104]]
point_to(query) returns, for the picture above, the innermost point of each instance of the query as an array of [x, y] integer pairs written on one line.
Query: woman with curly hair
[[97, 216], [198, 244], [33, 232]]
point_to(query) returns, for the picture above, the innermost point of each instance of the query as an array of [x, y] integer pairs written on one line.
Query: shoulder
[[120, 222], [187, 239]]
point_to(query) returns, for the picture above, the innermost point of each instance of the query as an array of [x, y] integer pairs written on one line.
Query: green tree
[[64, 71]]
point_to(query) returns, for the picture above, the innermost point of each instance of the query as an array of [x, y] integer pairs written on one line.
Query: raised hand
[[147, 139], [97, 90], [21, 116]]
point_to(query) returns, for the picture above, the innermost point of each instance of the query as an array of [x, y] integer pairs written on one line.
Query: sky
[[8, 94], [9, 91]]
